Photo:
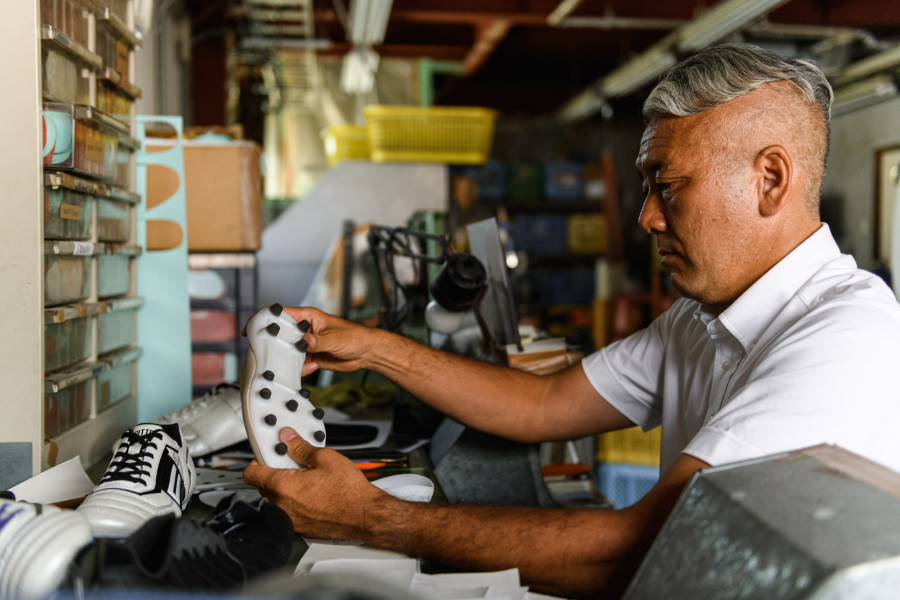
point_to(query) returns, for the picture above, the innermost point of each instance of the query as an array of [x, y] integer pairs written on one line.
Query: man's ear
[[775, 170]]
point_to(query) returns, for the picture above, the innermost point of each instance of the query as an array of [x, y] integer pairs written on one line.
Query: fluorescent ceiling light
[[565, 8], [271, 43], [876, 63], [864, 93], [637, 72], [722, 20], [368, 21]]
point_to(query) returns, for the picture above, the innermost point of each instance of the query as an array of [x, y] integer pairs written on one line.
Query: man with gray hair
[[778, 342]]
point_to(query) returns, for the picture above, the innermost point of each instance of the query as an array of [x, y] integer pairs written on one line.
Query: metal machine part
[[815, 524]]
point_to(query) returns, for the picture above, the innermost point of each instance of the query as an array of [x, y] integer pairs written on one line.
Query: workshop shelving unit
[[70, 358], [562, 218]]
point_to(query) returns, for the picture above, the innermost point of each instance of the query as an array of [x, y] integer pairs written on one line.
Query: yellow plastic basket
[[631, 446], [453, 135], [346, 142]]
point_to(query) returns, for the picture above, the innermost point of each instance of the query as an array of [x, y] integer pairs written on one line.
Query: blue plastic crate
[[564, 180], [540, 234], [524, 181], [574, 286], [625, 484], [492, 180]]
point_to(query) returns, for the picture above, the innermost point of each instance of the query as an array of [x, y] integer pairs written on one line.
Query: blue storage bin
[[564, 180], [625, 484], [489, 177], [540, 234], [573, 286], [492, 180], [524, 181]]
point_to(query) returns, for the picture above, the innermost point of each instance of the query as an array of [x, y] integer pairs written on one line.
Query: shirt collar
[[748, 317]]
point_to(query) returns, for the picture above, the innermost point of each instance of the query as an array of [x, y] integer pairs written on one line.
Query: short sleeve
[[629, 373]]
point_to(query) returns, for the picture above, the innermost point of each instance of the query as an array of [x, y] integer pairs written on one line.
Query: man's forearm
[[492, 398], [565, 552]]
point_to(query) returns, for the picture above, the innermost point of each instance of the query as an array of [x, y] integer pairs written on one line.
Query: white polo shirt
[[809, 354]]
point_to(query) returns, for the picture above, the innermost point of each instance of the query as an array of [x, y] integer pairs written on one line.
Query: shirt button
[[726, 365]]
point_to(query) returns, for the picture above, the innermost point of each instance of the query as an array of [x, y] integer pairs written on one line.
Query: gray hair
[[726, 71]]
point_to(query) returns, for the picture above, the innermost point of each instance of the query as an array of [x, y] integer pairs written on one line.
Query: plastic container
[[587, 234], [540, 234], [524, 181], [96, 143], [113, 220], [58, 129], [67, 271], [124, 164], [564, 180], [625, 484], [211, 368], [492, 180], [112, 100], [68, 213], [573, 286], [453, 135], [117, 382], [67, 399], [113, 270], [630, 445], [68, 335], [117, 324], [66, 67], [229, 288], [488, 179], [346, 142], [214, 326]]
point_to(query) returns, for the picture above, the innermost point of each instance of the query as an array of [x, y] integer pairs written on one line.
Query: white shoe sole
[[272, 395]]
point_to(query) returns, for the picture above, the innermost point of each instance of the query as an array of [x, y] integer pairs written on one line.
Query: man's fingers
[[299, 449]]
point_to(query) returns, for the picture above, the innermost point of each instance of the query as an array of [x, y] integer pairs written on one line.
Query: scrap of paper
[[63, 482]]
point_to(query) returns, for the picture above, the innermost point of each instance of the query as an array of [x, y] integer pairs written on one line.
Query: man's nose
[[651, 219]]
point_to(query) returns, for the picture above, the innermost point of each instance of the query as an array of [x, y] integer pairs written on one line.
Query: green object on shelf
[[524, 181]]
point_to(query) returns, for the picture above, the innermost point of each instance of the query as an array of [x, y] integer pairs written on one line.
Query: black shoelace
[[128, 466]]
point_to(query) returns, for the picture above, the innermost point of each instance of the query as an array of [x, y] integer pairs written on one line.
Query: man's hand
[[329, 498], [334, 344]]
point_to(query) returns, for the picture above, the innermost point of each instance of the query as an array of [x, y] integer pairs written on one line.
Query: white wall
[[856, 137], [163, 60], [294, 246]]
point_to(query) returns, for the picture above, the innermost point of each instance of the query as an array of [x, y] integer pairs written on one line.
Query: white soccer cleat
[[151, 474], [37, 545], [211, 422]]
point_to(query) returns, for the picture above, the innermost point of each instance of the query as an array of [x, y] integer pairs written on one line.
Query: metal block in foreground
[[816, 524]]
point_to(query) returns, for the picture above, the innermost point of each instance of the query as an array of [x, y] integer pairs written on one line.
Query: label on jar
[[70, 212], [122, 61], [83, 249], [94, 150]]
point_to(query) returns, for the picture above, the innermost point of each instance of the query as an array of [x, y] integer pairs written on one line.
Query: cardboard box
[[223, 193]]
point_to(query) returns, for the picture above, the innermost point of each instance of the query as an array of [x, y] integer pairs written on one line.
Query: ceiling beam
[[487, 37], [434, 52]]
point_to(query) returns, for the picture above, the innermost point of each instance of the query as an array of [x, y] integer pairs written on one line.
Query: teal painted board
[[164, 327]]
